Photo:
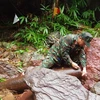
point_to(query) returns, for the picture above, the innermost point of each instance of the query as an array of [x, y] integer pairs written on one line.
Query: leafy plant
[[63, 31], [76, 16], [89, 14], [97, 8], [93, 32], [33, 36], [34, 22], [2, 79], [73, 12], [23, 19], [20, 66], [20, 51], [81, 3], [97, 25], [1, 99], [45, 8], [44, 30]]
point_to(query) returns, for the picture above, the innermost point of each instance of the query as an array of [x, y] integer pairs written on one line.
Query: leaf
[[2, 79]]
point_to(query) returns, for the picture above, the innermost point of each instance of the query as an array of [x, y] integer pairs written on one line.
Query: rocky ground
[[14, 60], [17, 57]]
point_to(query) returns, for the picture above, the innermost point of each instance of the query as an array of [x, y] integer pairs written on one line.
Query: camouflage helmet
[[87, 37]]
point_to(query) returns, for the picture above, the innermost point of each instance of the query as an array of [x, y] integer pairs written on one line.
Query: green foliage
[[43, 50], [23, 19], [45, 8], [97, 25], [1, 99], [77, 16], [73, 12], [89, 14], [97, 8], [94, 31], [81, 3], [34, 34], [20, 67], [2, 79], [21, 51], [20, 64], [34, 22]]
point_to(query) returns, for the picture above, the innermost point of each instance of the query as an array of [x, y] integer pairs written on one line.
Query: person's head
[[84, 39]]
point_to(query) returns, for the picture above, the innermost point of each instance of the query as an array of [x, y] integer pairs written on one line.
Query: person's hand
[[84, 72], [75, 65]]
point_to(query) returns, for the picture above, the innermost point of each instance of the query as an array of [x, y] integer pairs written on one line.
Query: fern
[[89, 14], [73, 12]]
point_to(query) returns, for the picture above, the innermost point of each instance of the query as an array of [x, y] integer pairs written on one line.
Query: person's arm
[[65, 49], [68, 60], [83, 62]]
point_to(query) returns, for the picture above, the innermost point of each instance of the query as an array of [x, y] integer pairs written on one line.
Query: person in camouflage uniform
[[69, 50]]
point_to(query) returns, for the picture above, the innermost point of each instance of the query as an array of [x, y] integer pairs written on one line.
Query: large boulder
[[93, 64], [96, 88], [48, 84]]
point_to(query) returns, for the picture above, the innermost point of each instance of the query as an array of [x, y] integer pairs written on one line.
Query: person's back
[[61, 45]]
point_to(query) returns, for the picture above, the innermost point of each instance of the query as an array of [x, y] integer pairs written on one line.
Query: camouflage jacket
[[66, 49]]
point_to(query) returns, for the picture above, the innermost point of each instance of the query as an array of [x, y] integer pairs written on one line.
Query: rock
[[56, 85], [93, 64], [7, 70], [6, 95], [36, 63], [37, 56], [26, 95], [96, 88], [25, 58], [30, 57]]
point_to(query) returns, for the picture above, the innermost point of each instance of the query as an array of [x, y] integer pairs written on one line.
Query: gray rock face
[[7, 70], [96, 88], [56, 85]]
